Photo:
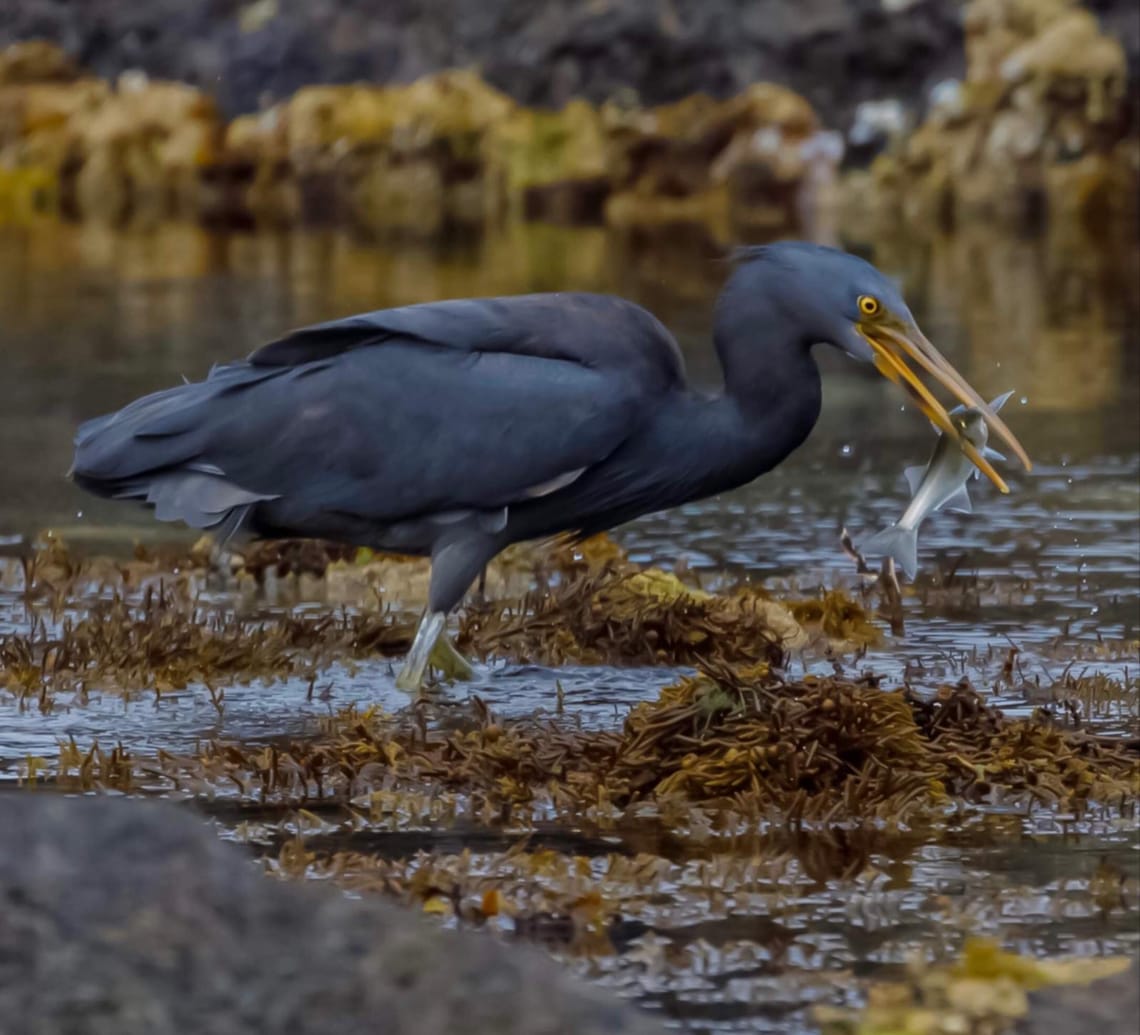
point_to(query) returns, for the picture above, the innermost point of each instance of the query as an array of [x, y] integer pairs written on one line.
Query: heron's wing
[[406, 430], [409, 429], [595, 331]]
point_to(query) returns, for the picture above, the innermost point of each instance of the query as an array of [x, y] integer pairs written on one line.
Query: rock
[[1036, 127], [131, 917], [447, 149], [542, 53], [1110, 1006], [138, 146], [555, 164], [36, 61]]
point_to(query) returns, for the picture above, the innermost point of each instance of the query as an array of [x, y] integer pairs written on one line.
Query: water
[[91, 317]]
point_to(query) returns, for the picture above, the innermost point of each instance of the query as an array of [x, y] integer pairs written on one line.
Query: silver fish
[[941, 482]]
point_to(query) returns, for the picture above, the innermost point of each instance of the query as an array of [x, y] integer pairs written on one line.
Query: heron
[[452, 429]]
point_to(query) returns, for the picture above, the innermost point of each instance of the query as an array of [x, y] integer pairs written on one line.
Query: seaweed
[[745, 742], [164, 642], [143, 623], [649, 617]]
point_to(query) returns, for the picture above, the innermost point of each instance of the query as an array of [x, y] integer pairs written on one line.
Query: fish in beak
[[894, 343]]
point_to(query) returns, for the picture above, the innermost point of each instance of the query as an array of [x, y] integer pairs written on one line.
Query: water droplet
[[847, 449], [79, 513], [1024, 400]]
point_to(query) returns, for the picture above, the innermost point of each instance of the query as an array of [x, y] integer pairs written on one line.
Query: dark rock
[[131, 917], [541, 52], [1107, 1007]]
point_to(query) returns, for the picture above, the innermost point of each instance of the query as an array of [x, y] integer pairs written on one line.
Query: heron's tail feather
[[896, 542], [152, 451]]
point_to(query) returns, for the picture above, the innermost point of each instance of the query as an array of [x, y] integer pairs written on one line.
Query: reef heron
[[452, 429]]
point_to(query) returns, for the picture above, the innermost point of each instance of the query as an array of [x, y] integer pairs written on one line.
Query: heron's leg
[[455, 563], [411, 677]]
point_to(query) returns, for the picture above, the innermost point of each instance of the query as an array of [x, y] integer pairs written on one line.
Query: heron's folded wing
[[595, 331], [385, 434], [407, 430], [421, 410]]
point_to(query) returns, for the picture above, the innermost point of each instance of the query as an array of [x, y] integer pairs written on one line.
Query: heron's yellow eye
[[869, 305]]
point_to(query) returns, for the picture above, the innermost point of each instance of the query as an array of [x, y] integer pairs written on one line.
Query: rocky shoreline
[[1036, 128], [248, 53]]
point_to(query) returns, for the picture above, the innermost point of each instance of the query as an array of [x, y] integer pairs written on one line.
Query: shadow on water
[[727, 933]]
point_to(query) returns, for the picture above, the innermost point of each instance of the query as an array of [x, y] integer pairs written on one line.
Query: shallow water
[[91, 317]]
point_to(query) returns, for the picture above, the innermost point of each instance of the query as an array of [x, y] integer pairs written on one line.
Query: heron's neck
[[772, 387]]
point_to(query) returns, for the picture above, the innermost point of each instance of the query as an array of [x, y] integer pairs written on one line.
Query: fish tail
[[896, 542]]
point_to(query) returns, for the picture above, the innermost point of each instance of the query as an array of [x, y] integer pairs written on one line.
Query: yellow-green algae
[[983, 993]]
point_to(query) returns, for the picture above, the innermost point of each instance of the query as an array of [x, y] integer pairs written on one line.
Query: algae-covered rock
[[633, 616], [445, 149], [35, 61], [1037, 124], [140, 145], [701, 160], [148, 142], [453, 109], [552, 164], [405, 157]]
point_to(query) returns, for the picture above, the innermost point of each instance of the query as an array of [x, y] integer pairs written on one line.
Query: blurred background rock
[[418, 117]]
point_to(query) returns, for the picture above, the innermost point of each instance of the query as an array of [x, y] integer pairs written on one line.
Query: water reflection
[[1057, 312]]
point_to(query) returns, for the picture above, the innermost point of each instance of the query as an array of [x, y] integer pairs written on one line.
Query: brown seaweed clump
[[650, 617], [742, 740], [164, 642], [588, 604]]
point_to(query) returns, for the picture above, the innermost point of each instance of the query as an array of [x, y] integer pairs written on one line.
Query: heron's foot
[[411, 677], [451, 664], [432, 646], [407, 681]]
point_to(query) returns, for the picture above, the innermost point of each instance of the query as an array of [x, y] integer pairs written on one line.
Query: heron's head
[[842, 300]]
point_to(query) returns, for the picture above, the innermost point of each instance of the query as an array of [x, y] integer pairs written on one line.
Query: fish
[[940, 482]]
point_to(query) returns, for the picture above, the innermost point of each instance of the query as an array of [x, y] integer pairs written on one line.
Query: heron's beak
[[894, 346]]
